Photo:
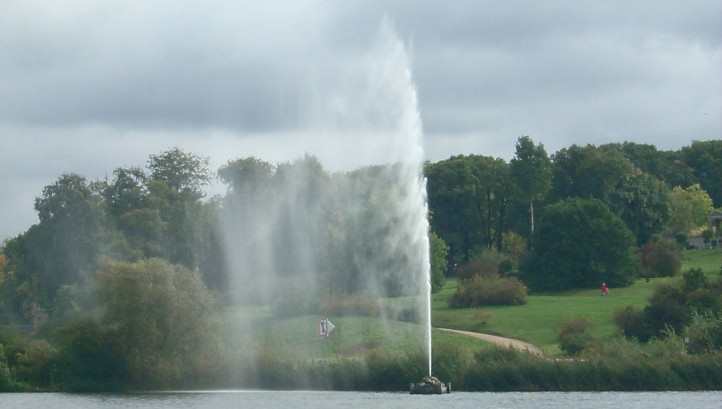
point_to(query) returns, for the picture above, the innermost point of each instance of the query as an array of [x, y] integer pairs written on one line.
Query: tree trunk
[[531, 215], [531, 223]]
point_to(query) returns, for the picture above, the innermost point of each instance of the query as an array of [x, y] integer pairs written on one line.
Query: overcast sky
[[87, 86]]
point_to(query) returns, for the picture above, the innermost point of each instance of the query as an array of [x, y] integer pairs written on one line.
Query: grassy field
[[539, 320], [297, 338]]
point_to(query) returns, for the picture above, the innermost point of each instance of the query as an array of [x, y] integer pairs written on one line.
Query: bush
[[704, 301], [667, 309], [161, 319], [488, 290], [573, 336], [6, 380], [35, 364], [631, 323], [485, 263], [89, 358], [660, 259], [704, 334], [694, 279]]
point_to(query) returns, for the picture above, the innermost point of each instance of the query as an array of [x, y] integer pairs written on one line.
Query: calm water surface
[[337, 400]]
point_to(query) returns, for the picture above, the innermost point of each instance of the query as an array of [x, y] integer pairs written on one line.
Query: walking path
[[500, 341]]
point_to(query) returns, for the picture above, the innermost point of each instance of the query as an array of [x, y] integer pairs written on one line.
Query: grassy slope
[[539, 320], [297, 338]]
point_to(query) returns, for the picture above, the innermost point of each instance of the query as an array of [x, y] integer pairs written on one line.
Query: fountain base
[[430, 385]]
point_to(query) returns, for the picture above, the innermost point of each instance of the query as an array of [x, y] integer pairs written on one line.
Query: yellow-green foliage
[[489, 290], [162, 319]]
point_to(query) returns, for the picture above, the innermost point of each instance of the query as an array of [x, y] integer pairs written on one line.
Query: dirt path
[[500, 341]]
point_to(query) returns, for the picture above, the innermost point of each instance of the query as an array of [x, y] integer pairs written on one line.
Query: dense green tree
[[531, 171], [642, 201], [588, 172], [705, 157], [246, 176], [129, 204], [182, 172], [451, 190], [667, 166], [128, 191], [62, 248], [161, 320], [176, 184], [689, 208], [470, 198], [660, 258], [580, 244]]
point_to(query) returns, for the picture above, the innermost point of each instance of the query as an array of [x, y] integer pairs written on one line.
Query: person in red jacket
[[605, 289]]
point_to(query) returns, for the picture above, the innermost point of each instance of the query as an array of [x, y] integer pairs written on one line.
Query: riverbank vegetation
[[125, 283]]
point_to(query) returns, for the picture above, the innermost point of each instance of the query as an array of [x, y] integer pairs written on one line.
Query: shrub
[[488, 290], [6, 381], [667, 309], [34, 365], [704, 334], [573, 336], [162, 320], [89, 358], [660, 259], [631, 323], [485, 263], [704, 301], [694, 279]]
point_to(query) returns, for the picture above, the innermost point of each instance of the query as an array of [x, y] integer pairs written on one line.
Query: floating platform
[[430, 385]]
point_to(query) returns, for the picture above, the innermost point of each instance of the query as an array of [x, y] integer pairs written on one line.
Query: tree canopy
[[580, 244]]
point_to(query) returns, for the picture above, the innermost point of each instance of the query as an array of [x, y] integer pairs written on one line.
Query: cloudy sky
[[87, 86]]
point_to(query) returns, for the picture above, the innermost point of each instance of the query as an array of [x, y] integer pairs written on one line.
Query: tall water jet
[[299, 238]]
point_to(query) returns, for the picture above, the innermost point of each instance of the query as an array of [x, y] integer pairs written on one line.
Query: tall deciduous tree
[[470, 198], [531, 170], [580, 243], [690, 208], [161, 319], [642, 201], [705, 157], [176, 186], [588, 172]]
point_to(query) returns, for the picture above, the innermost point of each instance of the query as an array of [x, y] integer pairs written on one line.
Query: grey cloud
[[86, 86]]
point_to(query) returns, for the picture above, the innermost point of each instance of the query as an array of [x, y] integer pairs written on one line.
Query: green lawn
[[255, 330], [539, 320]]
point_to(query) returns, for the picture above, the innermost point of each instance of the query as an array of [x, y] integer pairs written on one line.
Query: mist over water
[[300, 241]]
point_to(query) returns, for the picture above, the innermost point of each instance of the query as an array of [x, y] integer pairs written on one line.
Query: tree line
[[130, 271], [581, 213]]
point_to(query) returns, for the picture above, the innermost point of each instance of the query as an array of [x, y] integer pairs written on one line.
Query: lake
[[336, 400]]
